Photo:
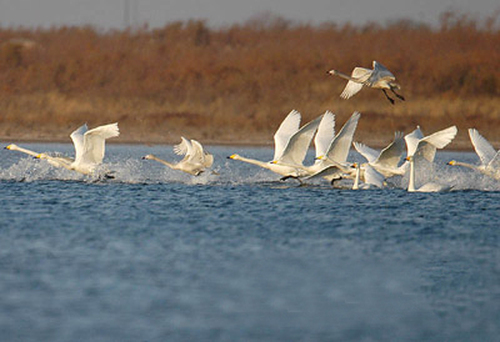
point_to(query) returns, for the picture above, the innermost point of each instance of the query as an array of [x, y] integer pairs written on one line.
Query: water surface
[[158, 255]]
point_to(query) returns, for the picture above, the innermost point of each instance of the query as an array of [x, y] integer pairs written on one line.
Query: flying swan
[[195, 160], [490, 159], [378, 78], [89, 149], [290, 147], [420, 149], [332, 165], [428, 187], [387, 161]]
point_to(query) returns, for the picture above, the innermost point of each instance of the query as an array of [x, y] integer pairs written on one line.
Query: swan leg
[[288, 177], [388, 97], [401, 97], [109, 176], [332, 182]]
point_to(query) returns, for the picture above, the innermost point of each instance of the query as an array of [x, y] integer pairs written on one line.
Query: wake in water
[[136, 171]]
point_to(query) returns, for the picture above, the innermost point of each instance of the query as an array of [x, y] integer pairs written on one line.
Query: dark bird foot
[[332, 183]]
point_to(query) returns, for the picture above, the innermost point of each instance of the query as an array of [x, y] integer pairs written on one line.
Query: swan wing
[[183, 148], [299, 142], [494, 163], [195, 155], [325, 133], [94, 141], [373, 177], [199, 156], [441, 138], [359, 76], [330, 170], [369, 153], [427, 146], [392, 154], [209, 160], [287, 128], [340, 145], [380, 72], [77, 138], [483, 148], [412, 140]]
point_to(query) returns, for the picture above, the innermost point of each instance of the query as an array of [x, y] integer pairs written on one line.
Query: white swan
[[89, 149], [425, 147], [428, 187], [490, 159], [291, 145], [371, 177], [387, 161], [378, 78], [195, 160], [333, 163]]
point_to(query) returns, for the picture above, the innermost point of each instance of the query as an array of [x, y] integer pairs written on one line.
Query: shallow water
[[158, 255]]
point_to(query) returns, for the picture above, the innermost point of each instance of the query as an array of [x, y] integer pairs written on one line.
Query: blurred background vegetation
[[235, 84]]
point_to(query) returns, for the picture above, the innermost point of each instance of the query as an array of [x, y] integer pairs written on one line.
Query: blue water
[[157, 255]]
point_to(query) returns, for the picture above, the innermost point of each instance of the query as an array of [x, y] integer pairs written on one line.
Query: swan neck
[[346, 77], [253, 161], [356, 179], [166, 163], [411, 184], [467, 165], [57, 162], [24, 150]]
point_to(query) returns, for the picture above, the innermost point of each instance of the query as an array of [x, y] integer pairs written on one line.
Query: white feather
[[298, 144], [288, 127], [483, 148], [325, 133]]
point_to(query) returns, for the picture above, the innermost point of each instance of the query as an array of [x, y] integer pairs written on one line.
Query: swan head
[[331, 72], [452, 162], [409, 158], [233, 156], [11, 147], [320, 158], [355, 165], [148, 157]]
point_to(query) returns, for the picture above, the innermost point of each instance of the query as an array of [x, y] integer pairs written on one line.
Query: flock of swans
[[291, 144], [332, 150]]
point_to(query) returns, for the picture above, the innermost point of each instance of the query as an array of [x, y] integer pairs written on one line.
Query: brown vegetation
[[235, 84]]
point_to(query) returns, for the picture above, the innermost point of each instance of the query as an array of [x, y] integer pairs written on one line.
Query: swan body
[[387, 161], [424, 148], [89, 149], [371, 177], [195, 160], [489, 158], [428, 187], [378, 78]]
